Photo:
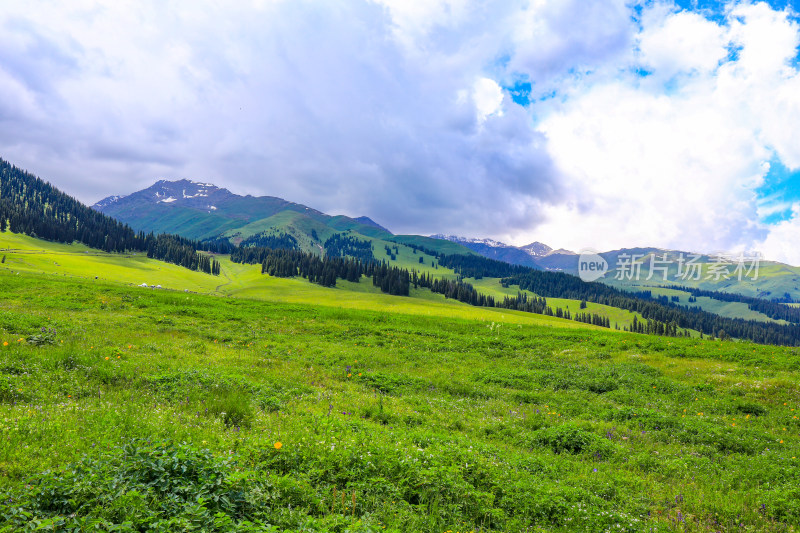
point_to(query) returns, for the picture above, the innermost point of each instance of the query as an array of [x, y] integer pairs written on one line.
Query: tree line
[[290, 263], [178, 251], [340, 245], [558, 284], [276, 241], [31, 206], [658, 318], [771, 308], [662, 314], [653, 327]]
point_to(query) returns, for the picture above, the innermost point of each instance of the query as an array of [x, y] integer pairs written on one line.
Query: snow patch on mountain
[[105, 202], [464, 240]]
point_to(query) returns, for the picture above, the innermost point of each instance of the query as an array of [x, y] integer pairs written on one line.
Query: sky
[[583, 125]]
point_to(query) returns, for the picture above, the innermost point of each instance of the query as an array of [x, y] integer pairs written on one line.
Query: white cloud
[[349, 107], [395, 109], [488, 97], [553, 37], [682, 43], [653, 170], [779, 245], [673, 159]]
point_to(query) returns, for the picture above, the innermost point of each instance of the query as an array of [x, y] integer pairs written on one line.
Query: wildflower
[[21, 339], [5, 343], [106, 358], [349, 375], [130, 346], [360, 374], [278, 445]]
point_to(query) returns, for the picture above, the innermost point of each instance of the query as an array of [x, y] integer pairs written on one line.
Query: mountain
[[770, 280], [31, 206], [369, 222], [199, 210], [105, 202], [536, 249], [496, 250], [636, 269], [535, 254]]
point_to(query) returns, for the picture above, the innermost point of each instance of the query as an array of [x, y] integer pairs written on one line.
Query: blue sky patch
[[520, 92], [711, 9], [781, 188], [715, 9]]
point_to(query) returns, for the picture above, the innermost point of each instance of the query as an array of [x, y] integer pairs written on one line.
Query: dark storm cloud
[[349, 107]]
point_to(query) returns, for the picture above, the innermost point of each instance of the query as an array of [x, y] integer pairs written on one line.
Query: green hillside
[[27, 255], [203, 211], [303, 229], [726, 309], [292, 407], [772, 280]]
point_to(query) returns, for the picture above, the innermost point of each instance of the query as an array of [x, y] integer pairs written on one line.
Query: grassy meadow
[[251, 403], [619, 318]]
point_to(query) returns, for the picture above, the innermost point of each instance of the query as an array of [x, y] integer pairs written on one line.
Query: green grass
[[620, 318], [300, 227], [718, 307], [773, 280], [295, 224], [28, 255], [139, 410], [25, 254]]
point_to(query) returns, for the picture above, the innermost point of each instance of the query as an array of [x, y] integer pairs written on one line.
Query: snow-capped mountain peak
[[464, 240], [105, 202], [537, 249]]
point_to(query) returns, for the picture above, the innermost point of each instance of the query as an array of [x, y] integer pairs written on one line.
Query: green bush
[[570, 439]]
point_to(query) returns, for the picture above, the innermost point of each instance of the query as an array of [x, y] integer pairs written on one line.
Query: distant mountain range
[[533, 255], [199, 210]]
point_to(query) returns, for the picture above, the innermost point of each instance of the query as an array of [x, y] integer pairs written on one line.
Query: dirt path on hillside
[[227, 277]]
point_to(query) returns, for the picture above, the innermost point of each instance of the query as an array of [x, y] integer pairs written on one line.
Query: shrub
[[568, 438]]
